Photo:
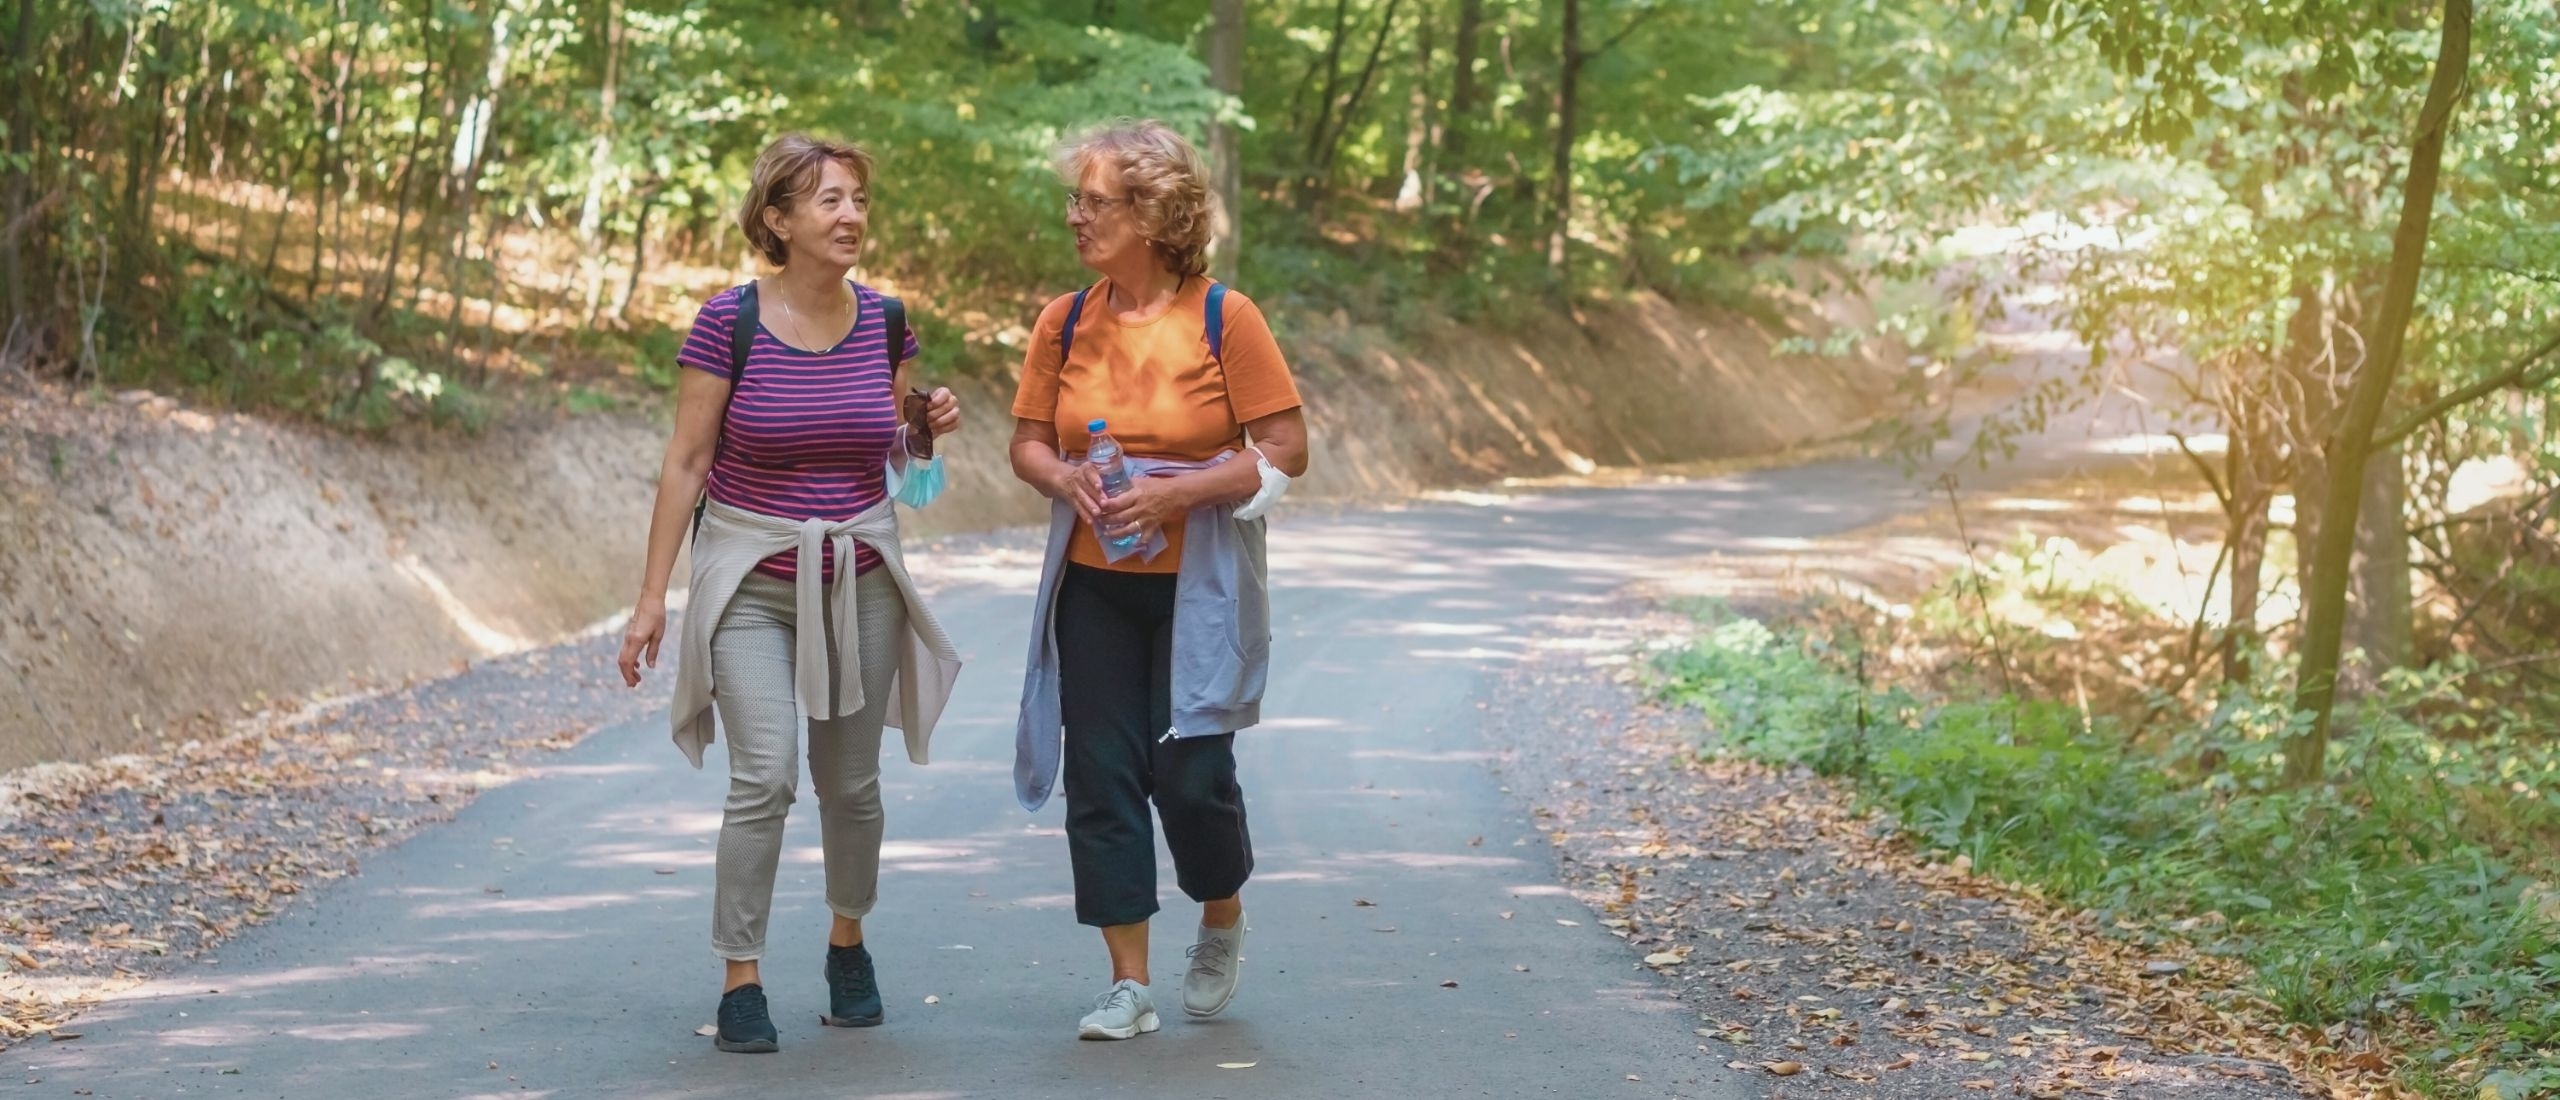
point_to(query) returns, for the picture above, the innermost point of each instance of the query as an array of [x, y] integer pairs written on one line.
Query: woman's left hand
[[942, 412], [1143, 510]]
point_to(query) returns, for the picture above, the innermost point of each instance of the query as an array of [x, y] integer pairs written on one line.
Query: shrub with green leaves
[[2385, 895]]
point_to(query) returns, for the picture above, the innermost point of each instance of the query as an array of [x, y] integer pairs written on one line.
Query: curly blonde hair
[[1168, 184], [786, 172]]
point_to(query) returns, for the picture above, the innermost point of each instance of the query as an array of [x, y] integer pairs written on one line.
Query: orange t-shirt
[[1157, 385]]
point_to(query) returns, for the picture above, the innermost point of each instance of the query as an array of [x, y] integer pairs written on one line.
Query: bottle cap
[[1096, 427]]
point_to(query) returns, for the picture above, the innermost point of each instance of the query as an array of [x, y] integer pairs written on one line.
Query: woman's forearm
[[679, 486], [1231, 482], [1037, 465]]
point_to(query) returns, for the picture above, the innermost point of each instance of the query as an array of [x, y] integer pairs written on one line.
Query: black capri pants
[[1115, 687]]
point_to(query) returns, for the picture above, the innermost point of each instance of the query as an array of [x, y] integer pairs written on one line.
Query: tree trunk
[[1560, 173], [2250, 495], [330, 200], [1226, 172], [1462, 83], [2325, 596], [408, 173], [1332, 80], [2380, 620], [22, 151], [1419, 123], [600, 159], [479, 125], [1350, 110], [639, 261]]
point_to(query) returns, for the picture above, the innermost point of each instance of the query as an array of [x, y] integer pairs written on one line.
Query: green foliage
[[2380, 896], [467, 184]]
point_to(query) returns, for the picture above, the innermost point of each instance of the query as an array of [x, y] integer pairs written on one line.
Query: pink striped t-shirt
[[808, 435]]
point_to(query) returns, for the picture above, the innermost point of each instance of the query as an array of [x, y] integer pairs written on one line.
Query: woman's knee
[[755, 797], [857, 797]]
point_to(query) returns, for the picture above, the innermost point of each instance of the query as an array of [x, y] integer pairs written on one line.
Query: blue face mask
[[919, 483]]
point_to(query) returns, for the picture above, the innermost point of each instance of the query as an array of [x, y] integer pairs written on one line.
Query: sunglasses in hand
[[917, 408]]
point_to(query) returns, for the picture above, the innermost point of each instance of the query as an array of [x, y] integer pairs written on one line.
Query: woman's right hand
[[640, 638], [1079, 484]]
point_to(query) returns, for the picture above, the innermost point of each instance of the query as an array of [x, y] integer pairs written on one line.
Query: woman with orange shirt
[[1143, 665]]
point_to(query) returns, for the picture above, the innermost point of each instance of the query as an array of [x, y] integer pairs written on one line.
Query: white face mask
[[1274, 486]]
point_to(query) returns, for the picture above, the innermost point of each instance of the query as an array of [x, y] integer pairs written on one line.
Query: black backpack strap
[[742, 341], [1067, 335], [742, 334], [894, 312]]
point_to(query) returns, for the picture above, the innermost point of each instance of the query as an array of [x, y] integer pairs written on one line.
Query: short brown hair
[[786, 171], [1168, 184]]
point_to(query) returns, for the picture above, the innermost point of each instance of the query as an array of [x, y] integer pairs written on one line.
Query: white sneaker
[[1215, 962], [1123, 1012]]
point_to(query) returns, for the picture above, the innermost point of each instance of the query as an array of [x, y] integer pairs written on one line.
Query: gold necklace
[[803, 330]]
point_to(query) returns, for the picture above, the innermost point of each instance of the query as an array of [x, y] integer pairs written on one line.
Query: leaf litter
[[1805, 935], [112, 871]]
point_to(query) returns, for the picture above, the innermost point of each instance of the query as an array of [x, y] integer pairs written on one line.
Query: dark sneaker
[[745, 1026], [853, 991]]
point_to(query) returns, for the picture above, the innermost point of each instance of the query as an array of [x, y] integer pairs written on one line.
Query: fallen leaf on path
[[1974, 1056], [63, 1036], [1506, 914], [1449, 985], [1238, 1065], [1363, 903], [1980, 1084], [932, 999], [1388, 928], [707, 1030], [1569, 923], [1907, 1061], [666, 870], [1783, 1069]]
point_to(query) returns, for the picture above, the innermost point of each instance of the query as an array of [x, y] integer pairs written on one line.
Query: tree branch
[[2550, 277], [2516, 376], [1633, 22], [2206, 468]]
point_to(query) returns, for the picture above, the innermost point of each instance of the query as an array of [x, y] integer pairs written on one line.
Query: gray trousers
[[751, 666]]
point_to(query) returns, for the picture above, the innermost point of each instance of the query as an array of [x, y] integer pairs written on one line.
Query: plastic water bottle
[[1104, 453]]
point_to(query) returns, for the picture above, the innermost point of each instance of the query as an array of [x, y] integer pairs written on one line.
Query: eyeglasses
[[1079, 202]]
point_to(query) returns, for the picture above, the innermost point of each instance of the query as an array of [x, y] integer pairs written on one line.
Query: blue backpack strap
[[1214, 324], [1067, 335]]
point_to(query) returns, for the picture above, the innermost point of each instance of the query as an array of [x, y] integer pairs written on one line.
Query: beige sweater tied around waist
[[731, 542]]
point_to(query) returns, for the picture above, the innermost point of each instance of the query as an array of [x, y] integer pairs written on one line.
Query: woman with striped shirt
[[800, 604]]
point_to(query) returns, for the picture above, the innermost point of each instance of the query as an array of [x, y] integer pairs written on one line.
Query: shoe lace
[[1210, 956], [745, 1013], [1116, 996], [853, 981]]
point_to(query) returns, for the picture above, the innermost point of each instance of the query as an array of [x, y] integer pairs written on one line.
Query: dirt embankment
[[162, 568]]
